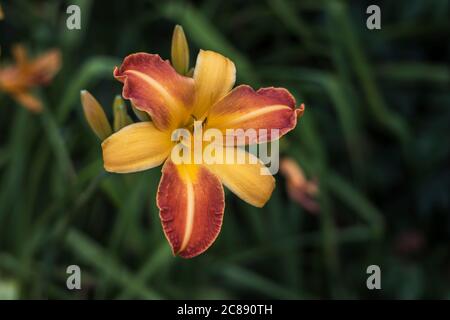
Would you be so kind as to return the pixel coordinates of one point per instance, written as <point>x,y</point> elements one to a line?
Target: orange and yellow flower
<point>19,79</point>
<point>190,196</point>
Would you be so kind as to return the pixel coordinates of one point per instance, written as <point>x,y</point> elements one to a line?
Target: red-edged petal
<point>191,203</point>
<point>243,108</point>
<point>156,88</point>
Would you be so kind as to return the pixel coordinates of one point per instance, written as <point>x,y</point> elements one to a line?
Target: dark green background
<point>375,133</point>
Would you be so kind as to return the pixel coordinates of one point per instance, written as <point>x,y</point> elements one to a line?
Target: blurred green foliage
<point>375,134</point>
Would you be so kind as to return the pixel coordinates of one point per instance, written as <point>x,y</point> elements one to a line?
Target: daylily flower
<point>190,196</point>
<point>18,80</point>
<point>298,187</point>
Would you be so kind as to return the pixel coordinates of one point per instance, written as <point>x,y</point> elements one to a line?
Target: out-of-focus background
<point>375,137</point>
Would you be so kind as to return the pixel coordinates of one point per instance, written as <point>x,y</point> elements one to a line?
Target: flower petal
<point>12,79</point>
<point>250,180</point>
<point>244,108</point>
<point>214,77</point>
<point>136,147</point>
<point>191,203</point>
<point>45,67</point>
<point>19,53</point>
<point>28,101</point>
<point>156,88</point>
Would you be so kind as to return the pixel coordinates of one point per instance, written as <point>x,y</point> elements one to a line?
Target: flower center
<point>194,128</point>
<point>194,123</point>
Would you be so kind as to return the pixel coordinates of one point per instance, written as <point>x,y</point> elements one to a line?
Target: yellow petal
<point>137,147</point>
<point>214,77</point>
<point>251,181</point>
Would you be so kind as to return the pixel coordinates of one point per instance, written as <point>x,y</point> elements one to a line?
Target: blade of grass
<point>91,71</point>
<point>92,254</point>
<point>386,117</point>
<point>412,72</point>
<point>161,258</point>
<point>58,145</point>
<point>353,198</point>
<point>249,280</point>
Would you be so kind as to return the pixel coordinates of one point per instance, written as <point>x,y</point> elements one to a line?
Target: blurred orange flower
<point>18,79</point>
<point>298,187</point>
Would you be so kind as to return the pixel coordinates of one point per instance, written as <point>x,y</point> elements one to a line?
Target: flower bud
<point>180,51</point>
<point>95,115</point>
<point>121,117</point>
<point>299,189</point>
